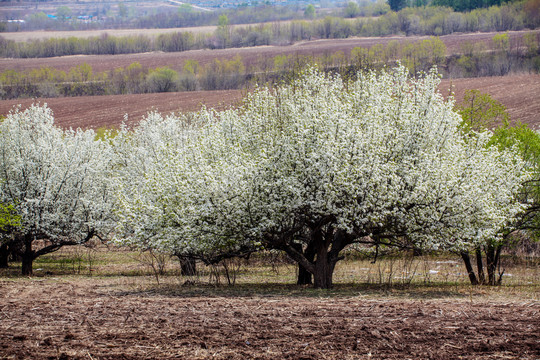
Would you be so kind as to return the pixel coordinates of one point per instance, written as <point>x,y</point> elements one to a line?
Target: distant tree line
<point>184,16</point>
<point>134,79</point>
<point>475,59</point>
<point>432,21</point>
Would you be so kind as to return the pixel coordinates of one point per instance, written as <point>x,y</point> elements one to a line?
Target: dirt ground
<point>109,111</point>
<point>519,93</point>
<point>94,319</point>
<point>249,55</point>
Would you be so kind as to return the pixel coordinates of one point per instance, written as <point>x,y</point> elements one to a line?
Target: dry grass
<point>23,36</point>
<point>270,274</point>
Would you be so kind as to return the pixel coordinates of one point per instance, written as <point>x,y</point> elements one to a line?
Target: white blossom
<point>382,155</point>
<point>57,181</point>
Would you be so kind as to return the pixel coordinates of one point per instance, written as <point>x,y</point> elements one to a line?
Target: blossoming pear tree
<point>381,157</point>
<point>177,191</point>
<point>56,182</point>
<point>318,165</point>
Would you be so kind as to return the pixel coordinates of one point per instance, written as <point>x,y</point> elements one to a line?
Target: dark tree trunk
<point>304,276</point>
<point>15,252</point>
<point>480,267</point>
<point>493,257</point>
<point>188,266</point>
<point>498,264</point>
<point>323,270</point>
<point>27,264</point>
<point>27,256</point>
<point>324,247</point>
<point>4,256</point>
<point>490,264</point>
<point>324,262</point>
<point>467,260</point>
<point>332,243</point>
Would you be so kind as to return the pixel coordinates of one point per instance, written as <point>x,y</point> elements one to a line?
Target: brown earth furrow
<point>519,93</point>
<point>78,320</point>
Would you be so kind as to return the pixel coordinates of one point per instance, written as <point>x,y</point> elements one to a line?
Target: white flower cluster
<point>382,155</point>
<point>57,181</point>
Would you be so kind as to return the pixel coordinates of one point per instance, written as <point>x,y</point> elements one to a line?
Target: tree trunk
<point>327,258</point>
<point>498,264</point>
<point>490,264</point>
<point>324,270</point>
<point>323,274</point>
<point>27,256</point>
<point>27,264</point>
<point>467,260</point>
<point>188,266</point>
<point>4,256</point>
<point>480,267</point>
<point>493,256</point>
<point>304,276</point>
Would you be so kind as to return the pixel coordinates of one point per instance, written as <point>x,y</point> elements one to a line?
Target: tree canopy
<point>55,182</point>
<point>315,166</point>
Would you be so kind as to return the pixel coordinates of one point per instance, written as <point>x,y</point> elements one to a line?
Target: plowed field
<point>109,111</point>
<point>249,55</point>
<point>519,93</point>
<point>92,319</point>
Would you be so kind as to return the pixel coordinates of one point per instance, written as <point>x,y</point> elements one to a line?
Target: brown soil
<point>109,111</point>
<point>519,93</point>
<point>249,55</point>
<point>90,319</point>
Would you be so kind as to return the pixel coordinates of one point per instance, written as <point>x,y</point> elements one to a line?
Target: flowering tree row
<point>309,168</point>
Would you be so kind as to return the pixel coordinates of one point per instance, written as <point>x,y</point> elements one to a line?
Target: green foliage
<point>223,74</point>
<point>185,8</point>
<point>188,79</point>
<point>409,20</point>
<point>179,41</point>
<point>501,42</point>
<point>105,133</point>
<point>527,141</point>
<point>465,5</point>
<point>223,20</point>
<point>352,10</point>
<point>421,55</point>
<point>223,32</point>
<point>63,13</point>
<point>162,79</point>
<point>520,135</point>
<point>8,217</point>
<point>531,42</point>
<point>309,12</point>
<point>397,5</point>
<point>480,111</point>
<point>473,60</point>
